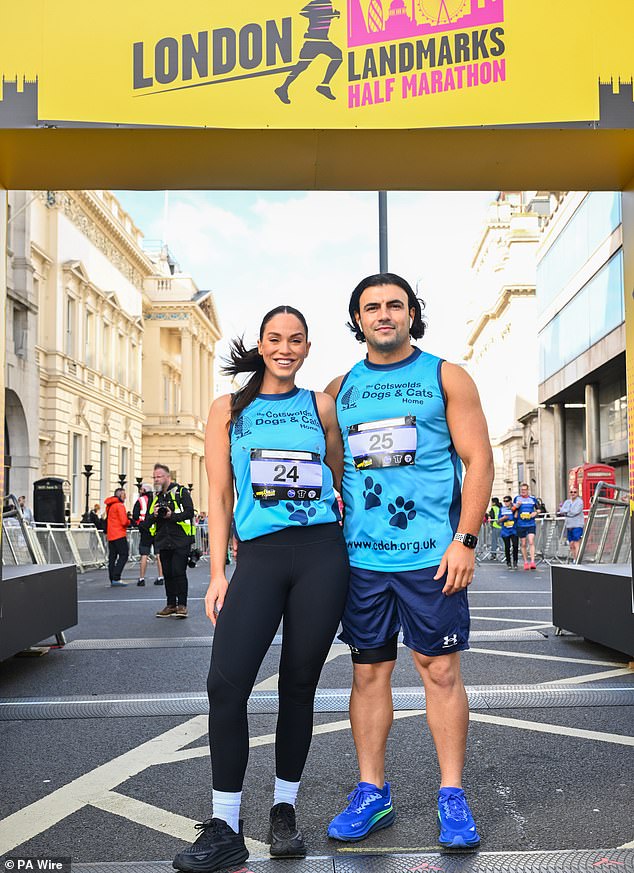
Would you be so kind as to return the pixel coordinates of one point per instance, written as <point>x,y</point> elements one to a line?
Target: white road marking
<point>534,657</point>
<point>560,730</point>
<point>491,591</point>
<point>513,608</point>
<point>510,620</point>
<point>42,814</point>
<point>161,819</point>
<point>591,677</point>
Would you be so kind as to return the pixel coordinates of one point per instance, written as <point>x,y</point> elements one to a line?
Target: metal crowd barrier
<point>551,544</point>
<point>41,543</point>
<point>606,535</point>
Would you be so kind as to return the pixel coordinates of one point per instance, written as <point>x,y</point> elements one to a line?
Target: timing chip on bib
<point>280,474</point>
<point>390,442</point>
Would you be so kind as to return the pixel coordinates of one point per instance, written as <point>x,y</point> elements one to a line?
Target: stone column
<point>561,465</point>
<point>196,378</point>
<point>593,438</point>
<point>204,383</point>
<point>187,374</point>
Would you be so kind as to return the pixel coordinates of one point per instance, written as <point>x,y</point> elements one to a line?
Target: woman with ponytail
<point>279,447</point>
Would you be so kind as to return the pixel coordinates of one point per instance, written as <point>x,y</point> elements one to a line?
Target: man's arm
<point>470,436</point>
<point>334,446</point>
<point>333,387</point>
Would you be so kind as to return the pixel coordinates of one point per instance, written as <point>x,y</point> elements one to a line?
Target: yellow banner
<point>318,64</point>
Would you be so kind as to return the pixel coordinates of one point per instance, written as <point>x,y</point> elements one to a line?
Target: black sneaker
<point>159,581</point>
<point>141,583</point>
<point>217,847</point>
<point>286,841</point>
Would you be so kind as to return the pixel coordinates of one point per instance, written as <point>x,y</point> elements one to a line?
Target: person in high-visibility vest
<point>170,520</point>
<point>494,513</point>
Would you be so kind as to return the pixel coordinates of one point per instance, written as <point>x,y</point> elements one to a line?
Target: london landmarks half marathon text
<point>377,74</point>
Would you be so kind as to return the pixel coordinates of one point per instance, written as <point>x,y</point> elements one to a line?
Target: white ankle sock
<point>226,805</point>
<point>285,792</point>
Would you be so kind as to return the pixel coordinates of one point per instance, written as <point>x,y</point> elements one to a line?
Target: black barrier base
<point>596,603</point>
<point>38,602</point>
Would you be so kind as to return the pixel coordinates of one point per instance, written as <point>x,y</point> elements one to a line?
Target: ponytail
<point>244,360</point>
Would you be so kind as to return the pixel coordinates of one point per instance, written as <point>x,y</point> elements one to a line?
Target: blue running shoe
<point>370,809</point>
<point>457,827</point>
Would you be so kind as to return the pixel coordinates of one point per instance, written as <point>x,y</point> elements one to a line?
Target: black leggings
<point>299,574</point>
<point>507,548</point>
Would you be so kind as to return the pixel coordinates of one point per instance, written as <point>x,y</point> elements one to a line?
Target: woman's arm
<point>334,446</point>
<point>218,466</point>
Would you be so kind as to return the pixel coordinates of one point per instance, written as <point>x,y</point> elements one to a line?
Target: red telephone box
<point>586,477</point>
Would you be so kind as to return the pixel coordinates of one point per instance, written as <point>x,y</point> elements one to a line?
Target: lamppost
<point>122,479</point>
<point>190,487</point>
<point>139,482</point>
<point>87,472</point>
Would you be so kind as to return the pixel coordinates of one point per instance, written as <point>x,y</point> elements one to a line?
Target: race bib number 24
<point>281,474</point>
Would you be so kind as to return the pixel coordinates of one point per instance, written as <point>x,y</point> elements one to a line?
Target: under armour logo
<point>450,641</point>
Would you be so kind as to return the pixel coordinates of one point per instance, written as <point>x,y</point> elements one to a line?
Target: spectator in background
<point>525,506</point>
<point>117,523</point>
<point>146,540</point>
<point>494,513</point>
<point>95,518</point>
<point>26,512</point>
<point>508,532</point>
<point>572,510</point>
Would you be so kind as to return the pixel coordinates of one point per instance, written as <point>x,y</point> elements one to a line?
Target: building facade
<point>181,331</point>
<point>581,336</point>
<point>80,288</point>
<point>501,352</point>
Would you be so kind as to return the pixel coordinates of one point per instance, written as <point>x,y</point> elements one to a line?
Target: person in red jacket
<point>117,523</point>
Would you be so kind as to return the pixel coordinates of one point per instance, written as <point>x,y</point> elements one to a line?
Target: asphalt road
<point>129,789</point>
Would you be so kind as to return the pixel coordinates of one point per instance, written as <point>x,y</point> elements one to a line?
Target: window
<point>75,475</point>
<point>89,339</point>
<point>70,327</point>
<point>591,314</point>
<point>595,219</point>
<point>125,455</point>
<point>104,471</point>
<point>105,350</point>
<point>20,331</point>
<point>122,374</point>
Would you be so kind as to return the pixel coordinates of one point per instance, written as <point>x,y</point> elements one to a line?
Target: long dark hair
<point>244,360</point>
<point>417,328</point>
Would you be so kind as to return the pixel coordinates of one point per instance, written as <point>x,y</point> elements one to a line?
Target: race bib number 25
<point>390,442</point>
<point>280,474</point>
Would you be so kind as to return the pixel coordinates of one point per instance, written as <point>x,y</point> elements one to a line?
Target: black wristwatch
<point>467,540</point>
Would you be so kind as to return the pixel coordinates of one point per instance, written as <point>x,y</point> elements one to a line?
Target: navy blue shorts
<point>380,604</point>
<point>523,532</point>
<point>574,534</point>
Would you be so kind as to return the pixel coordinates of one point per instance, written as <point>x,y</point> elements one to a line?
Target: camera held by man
<point>170,520</point>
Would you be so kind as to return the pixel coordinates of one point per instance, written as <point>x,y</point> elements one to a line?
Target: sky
<point>258,250</point>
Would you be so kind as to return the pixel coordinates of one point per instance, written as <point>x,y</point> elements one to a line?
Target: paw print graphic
<point>401,512</point>
<point>371,493</point>
<point>301,511</point>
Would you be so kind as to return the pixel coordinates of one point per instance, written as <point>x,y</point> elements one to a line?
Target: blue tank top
<point>507,521</point>
<point>402,475</point>
<point>525,505</point>
<point>277,455</point>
